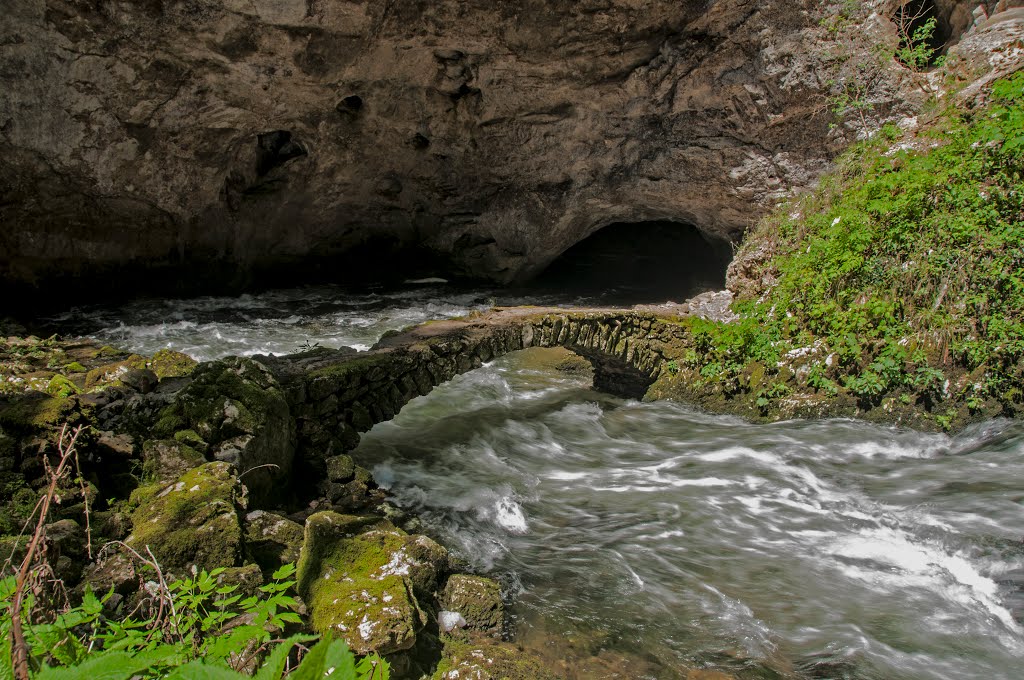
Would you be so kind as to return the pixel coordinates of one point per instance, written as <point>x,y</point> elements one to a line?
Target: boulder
<point>271,540</point>
<point>168,459</point>
<point>483,658</point>
<point>193,521</point>
<point>477,601</point>
<point>238,409</point>
<point>364,587</point>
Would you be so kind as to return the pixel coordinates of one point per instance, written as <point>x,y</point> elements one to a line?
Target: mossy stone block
<point>272,540</point>
<point>167,459</point>
<point>477,599</point>
<point>193,521</point>
<point>363,587</point>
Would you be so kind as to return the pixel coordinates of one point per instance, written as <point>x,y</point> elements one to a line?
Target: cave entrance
<point>630,263</point>
<point>924,33</point>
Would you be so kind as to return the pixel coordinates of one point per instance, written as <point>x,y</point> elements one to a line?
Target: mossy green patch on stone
<point>483,658</point>
<point>111,374</point>
<point>364,587</point>
<point>59,386</point>
<point>192,521</point>
<point>167,363</point>
<point>75,367</point>
<point>35,411</point>
<point>167,459</point>
<point>191,438</point>
<point>477,600</point>
<point>272,540</point>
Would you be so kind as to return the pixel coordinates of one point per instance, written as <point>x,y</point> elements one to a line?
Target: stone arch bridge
<point>334,394</point>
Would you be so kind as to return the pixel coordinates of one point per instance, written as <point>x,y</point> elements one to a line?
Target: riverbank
<point>891,293</point>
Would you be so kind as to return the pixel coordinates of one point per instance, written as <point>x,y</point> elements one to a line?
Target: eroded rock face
<point>496,134</point>
<point>235,411</point>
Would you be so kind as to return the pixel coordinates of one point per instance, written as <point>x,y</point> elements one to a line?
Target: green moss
<point>110,374</point>
<point>488,659</point>
<point>477,599</point>
<point>192,521</point>
<point>75,367</point>
<point>363,587</point>
<point>59,386</point>
<point>18,505</point>
<point>191,438</point>
<point>33,412</point>
<point>167,363</point>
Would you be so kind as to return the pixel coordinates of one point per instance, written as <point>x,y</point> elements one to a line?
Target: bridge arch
<point>334,395</point>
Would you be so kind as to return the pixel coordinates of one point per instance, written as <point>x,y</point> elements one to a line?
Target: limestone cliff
<point>167,135</point>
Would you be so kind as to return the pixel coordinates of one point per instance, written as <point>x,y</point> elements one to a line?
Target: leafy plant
<point>209,632</point>
<point>906,264</point>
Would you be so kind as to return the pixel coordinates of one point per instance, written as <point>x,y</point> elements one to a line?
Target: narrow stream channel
<point>644,538</point>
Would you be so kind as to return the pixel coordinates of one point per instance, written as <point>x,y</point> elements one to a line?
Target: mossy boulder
<point>167,363</point>
<point>192,521</point>
<point>167,459</point>
<point>237,407</point>
<point>272,540</point>
<point>477,600</point>
<point>33,412</point>
<point>60,386</point>
<point>364,587</point>
<point>112,373</point>
<point>340,468</point>
<point>483,658</point>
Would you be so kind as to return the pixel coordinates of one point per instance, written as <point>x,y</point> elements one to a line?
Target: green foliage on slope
<point>904,269</point>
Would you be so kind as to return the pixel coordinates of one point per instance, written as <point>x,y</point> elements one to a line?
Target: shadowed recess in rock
<point>629,263</point>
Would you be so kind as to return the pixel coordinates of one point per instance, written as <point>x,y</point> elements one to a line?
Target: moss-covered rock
<point>167,363</point>
<point>32,412</point>
<point>237,407</point>
<point>483,658</point>
<point>364,587</point>
<point>340,468</point>
<point>112,373</point>
<point>477,600</point>
<point>193,521</point>
<point>271,540</point>
<point>60,386</point>
<point>167,459</point>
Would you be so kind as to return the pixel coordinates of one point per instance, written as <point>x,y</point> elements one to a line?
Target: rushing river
<point>640,539</point>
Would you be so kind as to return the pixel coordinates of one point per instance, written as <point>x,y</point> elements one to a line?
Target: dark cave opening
<point>924,33</point>
<point>630,263</point>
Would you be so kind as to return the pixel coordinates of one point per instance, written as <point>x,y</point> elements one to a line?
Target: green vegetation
<point>916,31</point>
<point>903,273</point>
<point>197,628</point>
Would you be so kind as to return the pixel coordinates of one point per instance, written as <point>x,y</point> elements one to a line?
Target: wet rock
<point>483,658</point>
<point>477,601</point>
<point>192,521</point>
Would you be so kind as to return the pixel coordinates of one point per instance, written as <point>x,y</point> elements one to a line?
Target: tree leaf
<point>273,667</point>
<point>197,670</point>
